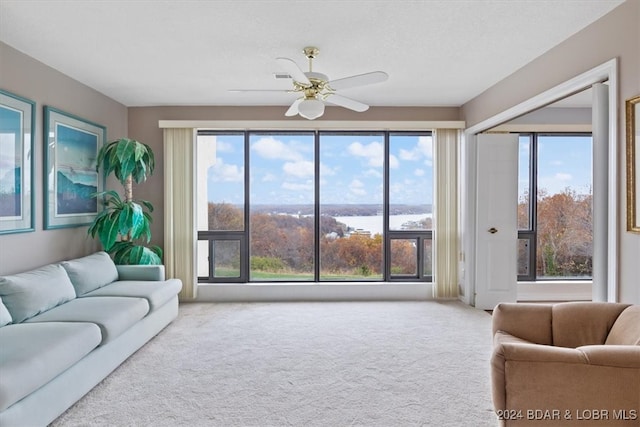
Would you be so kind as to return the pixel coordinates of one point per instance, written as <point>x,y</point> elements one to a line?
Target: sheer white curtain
<point>180,235</point>
<point>445,215</point>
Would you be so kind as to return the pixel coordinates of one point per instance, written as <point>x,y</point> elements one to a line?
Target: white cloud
<point>373,172</point>
<point>419,172</point>
<point>224,147</point>
<point>326,170</point>
<point>221,172</point>
<point>373,152</point>
<point>394,163</point>
<point>425,146</point>
<point>269,177</point>
<point>271,148</point>
<point>422,150</point>
<point>299,169</point>
<point>298,186</point>
<point>357,187</point>
<point>409,155</point>
<point>560,176</point>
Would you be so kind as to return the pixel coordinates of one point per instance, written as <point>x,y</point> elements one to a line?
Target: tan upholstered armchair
<point>566,364</point>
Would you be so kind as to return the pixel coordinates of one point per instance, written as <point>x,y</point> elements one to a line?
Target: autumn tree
<point>225,217</point>
<point>565,234</point>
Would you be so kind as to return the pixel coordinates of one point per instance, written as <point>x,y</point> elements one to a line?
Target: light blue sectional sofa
<point>64,327</point>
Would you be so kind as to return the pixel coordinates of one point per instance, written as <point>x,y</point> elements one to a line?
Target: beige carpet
<point>304,364</point>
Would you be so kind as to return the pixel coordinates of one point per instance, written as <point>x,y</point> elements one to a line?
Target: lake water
<point>374,223</point>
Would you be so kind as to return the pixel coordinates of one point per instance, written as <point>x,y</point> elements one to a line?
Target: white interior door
<point>496,220</point>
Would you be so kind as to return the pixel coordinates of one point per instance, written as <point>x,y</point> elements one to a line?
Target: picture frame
<point>71,180</point>
<point>633,163</point>
<point>17,119</point>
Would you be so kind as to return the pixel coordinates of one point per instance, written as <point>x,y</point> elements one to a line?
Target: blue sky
<point>351,169</point>
<point>563,162</point>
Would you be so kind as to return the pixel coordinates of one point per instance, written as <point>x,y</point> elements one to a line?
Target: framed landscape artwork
<point>70,176</point>
<point>16,163</point>
<point>633,164</point>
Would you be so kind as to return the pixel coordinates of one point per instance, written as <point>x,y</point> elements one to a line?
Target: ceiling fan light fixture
<point>311,108</point>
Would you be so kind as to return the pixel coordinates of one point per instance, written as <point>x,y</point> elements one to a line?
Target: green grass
<point>296,277</point>
<point>263,275</point>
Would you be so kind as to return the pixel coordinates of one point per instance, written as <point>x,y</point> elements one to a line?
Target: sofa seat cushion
<point>113,315</point>
<point>156,293</point>
<point>32,354</point>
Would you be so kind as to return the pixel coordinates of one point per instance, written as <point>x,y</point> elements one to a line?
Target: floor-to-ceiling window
<point>281,206</point>
<point>314,206</point>
<point>351,205</point>
<point>555,236</point>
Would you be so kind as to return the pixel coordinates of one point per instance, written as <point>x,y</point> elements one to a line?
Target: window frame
<point>531,234</point>
<point>243,236</point>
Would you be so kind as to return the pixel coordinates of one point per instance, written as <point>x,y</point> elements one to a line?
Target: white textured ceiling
<point>154,52</point>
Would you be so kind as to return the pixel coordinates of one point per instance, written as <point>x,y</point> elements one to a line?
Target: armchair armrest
<point>141,272</point>
<point>540,353</point>
<point>620,356</point>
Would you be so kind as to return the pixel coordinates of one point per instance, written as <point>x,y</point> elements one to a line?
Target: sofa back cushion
<point>626,330</point>
<point>5,316</point>
<point>91,272</point>
<point>35,291</point>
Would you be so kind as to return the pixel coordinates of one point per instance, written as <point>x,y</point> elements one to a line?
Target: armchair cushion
<point>583,323</point>
<point>626,330</point>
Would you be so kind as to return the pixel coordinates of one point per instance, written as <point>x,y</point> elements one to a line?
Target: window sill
<point>556,290</point>
<point>287,291</point>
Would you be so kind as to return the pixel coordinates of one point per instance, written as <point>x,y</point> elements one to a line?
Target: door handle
<point>493,230</point>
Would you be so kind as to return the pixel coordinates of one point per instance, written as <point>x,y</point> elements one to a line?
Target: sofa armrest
<point>530,322</point>
<point>141,272</point>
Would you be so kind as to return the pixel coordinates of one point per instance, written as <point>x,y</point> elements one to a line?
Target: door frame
<point>607,71</point>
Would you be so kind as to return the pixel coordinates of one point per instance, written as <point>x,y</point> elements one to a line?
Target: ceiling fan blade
<point>359,80</point>
<point>345,102</point>
<point>291,68</point>
<point>293,110</point>
<point>260,90</point>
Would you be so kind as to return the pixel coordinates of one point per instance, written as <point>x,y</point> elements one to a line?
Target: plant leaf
<point>147,205</point>
<point>125,219</point>
<point>109,233</point>
<point>138,221</point>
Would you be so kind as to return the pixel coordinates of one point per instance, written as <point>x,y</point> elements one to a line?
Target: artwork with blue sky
<point>76,154</point>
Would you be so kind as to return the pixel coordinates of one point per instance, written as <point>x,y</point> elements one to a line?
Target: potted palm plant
<point>123,227</point>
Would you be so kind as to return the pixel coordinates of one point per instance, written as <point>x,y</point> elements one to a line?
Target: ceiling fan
<point>315,88</point>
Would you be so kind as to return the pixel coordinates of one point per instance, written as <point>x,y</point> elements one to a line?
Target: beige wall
<point>616,35</point>
<point>24,76</point>
<point>143,126</point>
